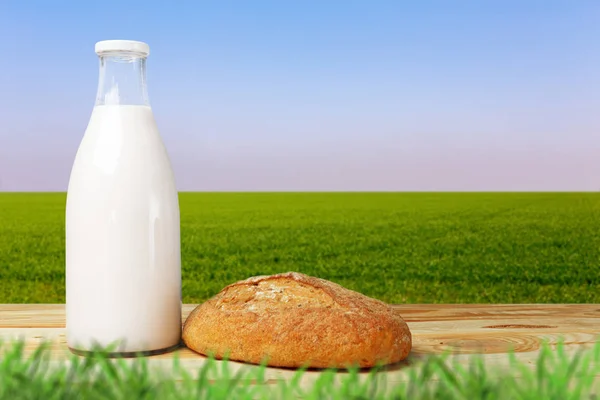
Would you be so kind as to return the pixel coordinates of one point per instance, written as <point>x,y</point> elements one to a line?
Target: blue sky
<point>318,95</point>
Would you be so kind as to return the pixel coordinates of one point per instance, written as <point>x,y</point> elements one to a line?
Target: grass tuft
<point>556,376</point>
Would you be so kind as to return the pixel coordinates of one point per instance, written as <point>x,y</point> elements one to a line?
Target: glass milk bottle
<point>123,262</point>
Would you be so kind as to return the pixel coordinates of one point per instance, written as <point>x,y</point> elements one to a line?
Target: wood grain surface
<point>464,330</point>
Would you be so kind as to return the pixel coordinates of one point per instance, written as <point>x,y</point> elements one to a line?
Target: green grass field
<point>398,247</point>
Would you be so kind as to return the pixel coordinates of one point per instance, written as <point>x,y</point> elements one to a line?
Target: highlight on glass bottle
<point>122,79</point>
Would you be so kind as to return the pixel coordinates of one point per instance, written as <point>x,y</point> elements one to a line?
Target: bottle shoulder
<point>122,148</point>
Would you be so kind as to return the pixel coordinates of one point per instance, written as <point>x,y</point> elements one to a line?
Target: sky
<point>318,95</point>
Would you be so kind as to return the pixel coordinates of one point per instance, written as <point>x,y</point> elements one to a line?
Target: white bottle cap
<point>109,46</point>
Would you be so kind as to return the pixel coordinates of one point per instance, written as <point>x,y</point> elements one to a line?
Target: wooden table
<point>466,330</point>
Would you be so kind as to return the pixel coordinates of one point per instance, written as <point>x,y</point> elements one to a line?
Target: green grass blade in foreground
<point>541,364</point>
<point>590,374</point>
<point>556,376</point>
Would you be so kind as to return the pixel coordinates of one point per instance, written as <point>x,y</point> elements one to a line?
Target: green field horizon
<point>399,247</point>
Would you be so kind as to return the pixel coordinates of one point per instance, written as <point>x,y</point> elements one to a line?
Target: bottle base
<point>125,354</point>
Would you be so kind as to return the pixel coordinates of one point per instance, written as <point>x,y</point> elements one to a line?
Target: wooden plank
<point>465,330</point>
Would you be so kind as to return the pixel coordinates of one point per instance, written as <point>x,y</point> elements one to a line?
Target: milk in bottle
<point>123,267</point>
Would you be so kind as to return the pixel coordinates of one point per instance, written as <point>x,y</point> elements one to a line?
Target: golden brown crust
<point>297,320</point>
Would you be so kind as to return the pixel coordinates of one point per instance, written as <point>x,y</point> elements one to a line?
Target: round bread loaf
<point>294,320</point>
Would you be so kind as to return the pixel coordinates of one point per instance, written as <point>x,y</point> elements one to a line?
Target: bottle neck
<point>122,80</point>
